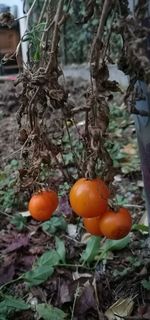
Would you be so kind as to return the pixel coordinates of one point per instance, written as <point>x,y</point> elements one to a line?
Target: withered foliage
<point>44,103</point>
<point>135,56</point>
<point>7,19</point>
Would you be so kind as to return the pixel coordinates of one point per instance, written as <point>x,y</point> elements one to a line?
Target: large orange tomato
<point>116,225</point>
<point>92,226</point>
<point>88,198</point>
<point>43,204</point>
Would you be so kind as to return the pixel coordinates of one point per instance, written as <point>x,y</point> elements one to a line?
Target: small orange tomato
<point>92,226</point>
<point>116,225</point>
<point>88,198</point>
<point>43,204</point>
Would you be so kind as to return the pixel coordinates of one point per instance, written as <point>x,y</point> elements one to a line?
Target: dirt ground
<point>8,123</point>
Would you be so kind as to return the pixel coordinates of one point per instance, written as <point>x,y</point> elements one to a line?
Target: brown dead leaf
<point>121,308</point>
<point>7,273</point>
<point>64,293</point>
<point>85,238</point>
<point>86,300</point>
<point>129,149</point>
<point>19,242</point>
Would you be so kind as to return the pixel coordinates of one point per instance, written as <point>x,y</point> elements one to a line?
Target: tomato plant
<point>92,225</point>
<point>116,225</point>
<point>43,204</point>
<point>88,198</point>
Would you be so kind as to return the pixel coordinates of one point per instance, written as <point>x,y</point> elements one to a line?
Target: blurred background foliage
<point>76,37</point>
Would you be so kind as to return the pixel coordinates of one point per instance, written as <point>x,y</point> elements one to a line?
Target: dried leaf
<point>121,308</point>
<point>129,149</point>
<point>64,293</point>
<point>7,273</point>
<point>86,300</point>
<point>18,243</point>
<point>86,236</point>
<point>64,206</point>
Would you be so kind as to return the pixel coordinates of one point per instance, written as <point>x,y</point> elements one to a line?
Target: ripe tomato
<point>43,204</point>
<point>92,226</point>
<point>116,225</point>
<point>88,198</point>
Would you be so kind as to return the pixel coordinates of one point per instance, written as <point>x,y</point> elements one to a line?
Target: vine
<point>45,107</point>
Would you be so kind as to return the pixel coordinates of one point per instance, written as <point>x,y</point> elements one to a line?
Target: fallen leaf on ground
<point>86,300</point>
<point>86,236</point>
<point>121,308</point>
<point>64,206</point>
<point>19,242</point>
<point>64,293</point>
<point>7,273</point>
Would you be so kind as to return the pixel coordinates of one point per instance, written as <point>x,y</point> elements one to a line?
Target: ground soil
<point>8,124</point>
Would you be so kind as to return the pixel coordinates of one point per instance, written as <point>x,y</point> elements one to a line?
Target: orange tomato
<point>116,225</point>
<point>88,198</point>
<point>43,204</point>
<point>92,226</point>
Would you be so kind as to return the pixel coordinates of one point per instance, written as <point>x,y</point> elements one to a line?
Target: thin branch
<point>110,31</point>
<point>104,15</point>
<point>29,13</point>
<point>55,35</point>
<point>43,11</point>
<point>27,22</point>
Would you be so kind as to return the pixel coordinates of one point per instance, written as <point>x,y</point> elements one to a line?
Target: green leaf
<point>3,317</point>
<point>146,284</point>
<point>10,304</point>
<point>38,275</point>
<point>43,268</point>
<point>122,272</point>
<point>19,221</point>
<point>48,312</point>
<point>49,258</point>
<point>113,245</point>
<point>60,248</point>
<point>140,227</point>
<point>92,249</point>
<point>54,224</point>
<point>68,158</point>
<point>37,55</point>
<point>14,163</point>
